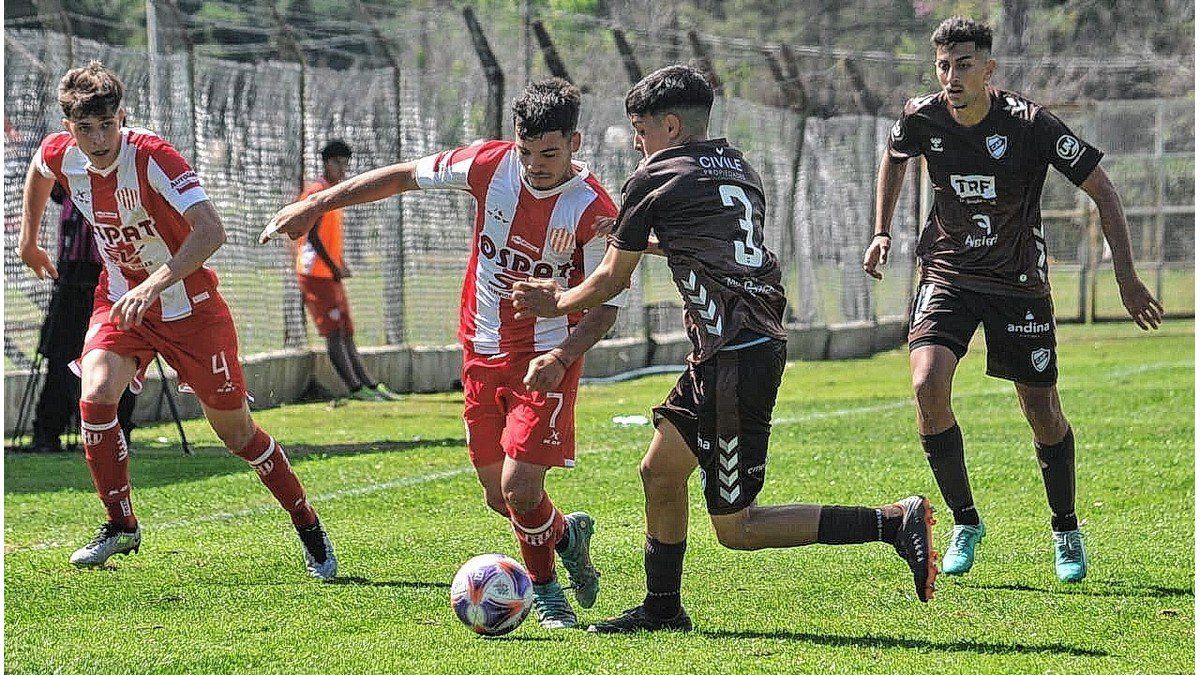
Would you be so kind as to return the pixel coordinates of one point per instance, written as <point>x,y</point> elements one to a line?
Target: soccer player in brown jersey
<point>705,204</point>
<point>983,260</point>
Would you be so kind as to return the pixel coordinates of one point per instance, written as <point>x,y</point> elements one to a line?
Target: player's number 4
<point>745,252</point>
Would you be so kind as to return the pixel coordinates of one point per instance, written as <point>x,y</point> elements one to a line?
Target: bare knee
<point>660,483</point>
<point>736,532</point>
<point>933,395</point>
<point>236,434</point>
<point>522,498</point>
<point>496,501</point>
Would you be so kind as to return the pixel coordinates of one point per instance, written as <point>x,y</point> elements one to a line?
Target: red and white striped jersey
<point>135,208</point>
<point>520,232</point>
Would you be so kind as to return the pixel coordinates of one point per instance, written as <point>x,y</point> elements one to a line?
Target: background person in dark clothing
<point>63,330</point>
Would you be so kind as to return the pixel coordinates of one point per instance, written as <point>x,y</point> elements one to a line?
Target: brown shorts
<point>722,408</point>
<point>1019,330</point>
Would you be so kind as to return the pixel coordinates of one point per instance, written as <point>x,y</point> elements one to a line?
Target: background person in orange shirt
<point>320,268</point>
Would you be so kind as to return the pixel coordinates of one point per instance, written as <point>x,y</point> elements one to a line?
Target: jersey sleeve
<point>635,220</point>
<point>1058,145</point>
<point>903,142</point>
<point>41,158</point>
<point>170,176</point>
<point>460,168</point>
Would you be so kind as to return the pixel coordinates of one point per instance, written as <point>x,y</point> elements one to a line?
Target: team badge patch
<point>1041,359</point>
<point>997,145</point>
<point>561,240</point>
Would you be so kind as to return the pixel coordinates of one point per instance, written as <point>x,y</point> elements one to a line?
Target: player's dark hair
<point>545,106</point>
<point>677,89</point>
<point>958,29</point>
<point>90,91</point>
<point>335,148</point>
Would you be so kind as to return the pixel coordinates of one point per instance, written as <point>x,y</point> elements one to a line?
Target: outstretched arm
<point>547,370</point>
<point>544,297</point>
<point>888,185</point>
<point>297,219</point>
<point>1145,309</point>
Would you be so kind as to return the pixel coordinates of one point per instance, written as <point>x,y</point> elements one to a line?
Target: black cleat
<point>914,543</point>
<point>319,559</point>
<point>636,620</point>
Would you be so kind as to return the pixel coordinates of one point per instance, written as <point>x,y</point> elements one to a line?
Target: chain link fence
<point>253,132</point>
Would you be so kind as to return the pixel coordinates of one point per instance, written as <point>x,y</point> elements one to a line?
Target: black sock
<point>1058,475</point>
<point>564,542</point>
<point>664,576</point>
<point>855,525</point>
<point>944,451</point>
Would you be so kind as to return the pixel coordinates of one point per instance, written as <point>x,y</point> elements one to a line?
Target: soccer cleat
<point>585,580</point>
<point>550,605</point>
<point>319,559</point>
<point>636,620</point>
<point>960,555</point>
<point>365,394</point>
<point>914,543</point>
<point>1070,558</point>
<point>382,391</point>
<point>110,540</point>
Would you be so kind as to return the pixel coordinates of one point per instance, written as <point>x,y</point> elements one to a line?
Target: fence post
<point>1160,188</point>
<point>797,100</point>
<point>705,65</point>
<point>491,71</point>
<point>191,70</point>
<point>550,54</point>
<point>295,328</point>
<point>394,262</point>
<point>632,70</point>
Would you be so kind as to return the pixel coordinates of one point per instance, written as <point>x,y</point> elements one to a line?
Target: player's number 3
<point>745,252</point>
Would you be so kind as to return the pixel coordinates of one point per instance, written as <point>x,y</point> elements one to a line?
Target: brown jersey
<point>705,204</point>
<point>985,232</point>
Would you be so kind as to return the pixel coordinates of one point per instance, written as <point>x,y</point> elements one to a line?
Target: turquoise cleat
<point>551,607</point>
<point>577,558</point>
<point>1070,558</point>
<point>960,555</point>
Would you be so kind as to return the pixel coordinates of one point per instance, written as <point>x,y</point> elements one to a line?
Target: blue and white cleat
<point>960,555</point>
<point>550,605</point>
<point>110,540</point>
<point>1070,558</point>
<point>585,580</point>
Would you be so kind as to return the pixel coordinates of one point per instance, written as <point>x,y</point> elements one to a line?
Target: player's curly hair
<point>91,90</point>
<point>678,89</point>
<point>546,105</point>
<point>959,29</point>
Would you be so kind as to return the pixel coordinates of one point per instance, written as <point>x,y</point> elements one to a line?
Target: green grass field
<point>219,587</point>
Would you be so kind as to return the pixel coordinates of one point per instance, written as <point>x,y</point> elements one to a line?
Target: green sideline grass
<point>219,586</point>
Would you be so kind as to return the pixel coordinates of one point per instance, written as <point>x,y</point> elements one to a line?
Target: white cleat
<point>319,559</point>
<point>110,540</point>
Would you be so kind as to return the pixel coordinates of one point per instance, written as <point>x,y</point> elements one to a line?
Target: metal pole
<point>555,64</point>
<point>493,73</point>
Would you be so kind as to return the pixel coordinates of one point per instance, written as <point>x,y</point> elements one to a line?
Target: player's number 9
<point>745,252</point>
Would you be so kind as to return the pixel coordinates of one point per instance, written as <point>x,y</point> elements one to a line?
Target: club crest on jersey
<point>997,145</point>
<point>1040,359</point>
<point>128,199</point>
<point>935,144</point>
<point>561,240</point>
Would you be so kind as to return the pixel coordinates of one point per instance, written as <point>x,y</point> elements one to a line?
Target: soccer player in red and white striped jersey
<point>537,216</point>
<point>154,227</point>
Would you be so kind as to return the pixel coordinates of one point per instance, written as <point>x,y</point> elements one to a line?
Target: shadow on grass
<point>394,583</point>
<point>881,642</point>
<point>1094,588</point>
<point>156,466</point>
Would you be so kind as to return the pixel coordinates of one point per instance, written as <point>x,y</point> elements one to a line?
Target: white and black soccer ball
<point>491,594</point>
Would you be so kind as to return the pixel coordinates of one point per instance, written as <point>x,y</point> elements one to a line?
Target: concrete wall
<point>280,377</point>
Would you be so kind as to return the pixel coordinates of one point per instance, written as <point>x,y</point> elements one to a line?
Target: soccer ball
<point>491,594</point>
